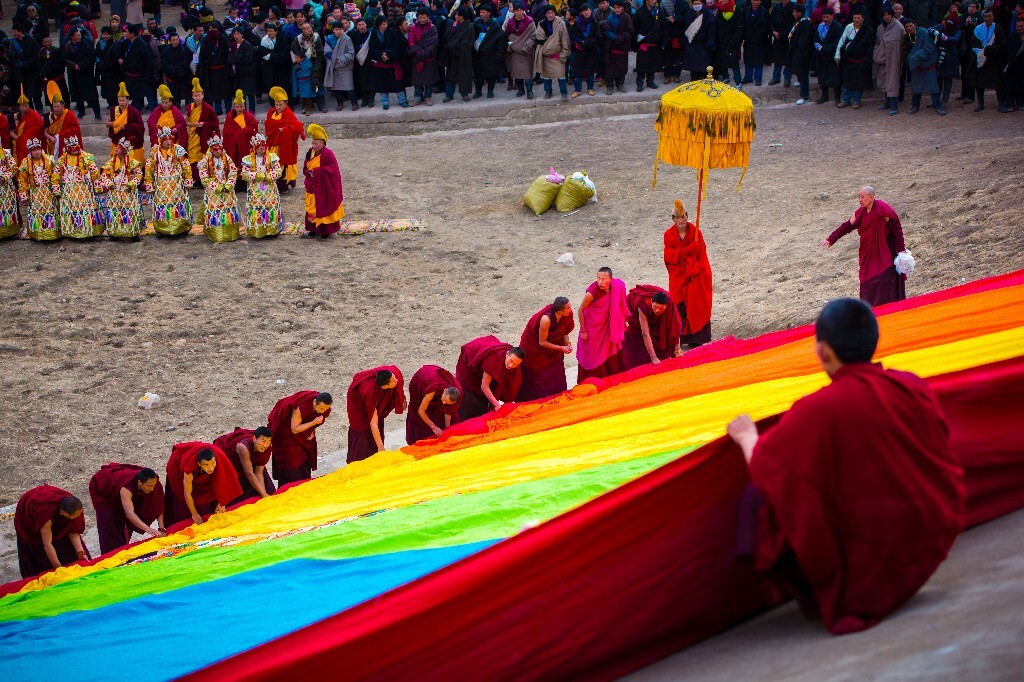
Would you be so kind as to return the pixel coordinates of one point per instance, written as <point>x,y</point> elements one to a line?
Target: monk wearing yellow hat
<point>61,123</point>
<point>168,116</point>
<point>322,179</point>
<point>126,124</point>
<point>239,127</point>
<point>28,126</point>
<point>283,133</point>
<point>202,123</point>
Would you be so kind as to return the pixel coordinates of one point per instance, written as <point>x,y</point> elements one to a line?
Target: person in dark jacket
<point>23,51</point>
<point>423,49</point>
<point>457,56</point>
<point>137,64</point>
<point>442,22</point>
<point>489,50</point>
<point>648,36</point>
<point>275,57</point>
<point>756,39</point>
<point>728,36</point>
<point>213,71</point>
<point>175,60</point>
<point>584,37</point>
<point>107,68</point>
<point>52,67</point>
<point>1013,72</point>
<point>781,23</point>
<point>855,49</point>
<point>362,73</point>
<point>826,40</point>
<point>672,47</point>
<point>617,31</point>
<point>989,41</point>
<point>242,60</point>
<point>801,50</point>
<point>700,33</point>
<point>386,51</point>
<point>947,40</point>
<point>80,56</point>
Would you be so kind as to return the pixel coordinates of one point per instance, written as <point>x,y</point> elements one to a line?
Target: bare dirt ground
<point>213,329</point>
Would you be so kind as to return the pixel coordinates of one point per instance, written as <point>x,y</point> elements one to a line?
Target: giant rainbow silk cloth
<point>579,537</point>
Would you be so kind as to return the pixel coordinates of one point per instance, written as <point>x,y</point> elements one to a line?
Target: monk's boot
<point>639,84</point>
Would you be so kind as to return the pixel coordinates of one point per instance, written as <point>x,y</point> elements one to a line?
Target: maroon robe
<point>862,489</point>
<point>665,328</point>
<point>112,523</point>
<point>430,379</point>
<point>208,490</point>
<point>485,354</point>
<point>324,183</point>
<point>211,127</point>
<point>543,369</point>
<point>614,363</point>
<point>34,509</point>
<point>180,131</point>
<point>294,456</point>
<point>229,444</point>
<point>881,238</point>
<point>134,129</point>
<point>363,398</point>
<point>237,140</point>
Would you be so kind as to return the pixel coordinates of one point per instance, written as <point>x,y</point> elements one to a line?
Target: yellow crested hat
<point>239,97</point>
<point>164,92</point>
<point>22,99</point>
<point>122,90</point>
<point>278,94</point>
<point>196,87</point>
<point>316,132</point>
<point>53,93</point>
<point>680,210</point>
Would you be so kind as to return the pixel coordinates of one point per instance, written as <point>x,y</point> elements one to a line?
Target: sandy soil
<point>216,329</point>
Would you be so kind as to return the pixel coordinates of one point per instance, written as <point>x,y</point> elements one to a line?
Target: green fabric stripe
<point>453,520</point>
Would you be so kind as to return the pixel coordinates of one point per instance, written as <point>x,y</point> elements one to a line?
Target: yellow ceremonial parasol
<point>702,125</point>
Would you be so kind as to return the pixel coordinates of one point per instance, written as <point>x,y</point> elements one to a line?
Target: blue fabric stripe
<point>207,622</point>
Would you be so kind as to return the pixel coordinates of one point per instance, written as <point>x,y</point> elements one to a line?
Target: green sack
<point>541,195</point>
<point>571,195</point>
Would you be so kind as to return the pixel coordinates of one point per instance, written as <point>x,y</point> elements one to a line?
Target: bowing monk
<point>49,523</point>
<point>283,132</point>
<point>689,277</point>
<point>546,342</point>
<point>126,124</point>
<point>372,396</point>
<point>168,116</point>
<point>293,423</point>
<point>200,482</point>
<point>488,371</point>
<point>881,240</point>
<point>249,451</point>
<point>856,494</point>
<point>202,124</point>
<point>603,314</point>
<point>127,499</point>
<point>29,126</point>
<point>653,327</point>
<point>434,396</point>
<point>322,182</point>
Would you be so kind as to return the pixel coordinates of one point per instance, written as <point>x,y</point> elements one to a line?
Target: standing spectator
<point>361,44</point>
<point>1013,75</point>
<point>423,48</point>
<point>23,51</point>
<point>137,65</point>
<point>519,31</point>
<point>948,41</point>
<point>156,77</point>
<point>888,59</point>
<point>275,58</point>
<point>826,40</point>
<point>489,47</point>
<point>457,56</point>
<point>921,62</point>
<point>801,51</point>
<point>617,31</point>
<point>242,60</point>
<point>107,68</point>
<point>756,38</point>
<point>728,36</point>
<point>648,23</point>
<point>213,72</point>
<point>923,12</point>
<point>386,49</point>
<point>552,52</point>
<point>672,47</point>
<point>988,45</point>
<point>307,51</point>
<point>52,68</point>
<point>81,60</point>
<point>968,22</point>
<point>175,61</point>
<point>854,51</point>
<point>699,31</point>
<point>586,55</point>
<point>781,23</point>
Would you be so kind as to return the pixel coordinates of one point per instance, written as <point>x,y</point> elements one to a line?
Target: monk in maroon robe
<point>653,327</point>
<point>881,240</point>
<point>546,343</point>
<point>200,481</point>
<point>249,451</point>
<point>488,371</point>
<point>127,498</point>
<point>434,399</point>
<point>293,423</point>
<point>372,396</point>
<point>858,495</point>
<point>325,195</point>
<point>603,314</point>
<point>49,523</point>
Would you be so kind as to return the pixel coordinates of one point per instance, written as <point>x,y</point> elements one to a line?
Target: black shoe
<point>651,84</point>
<point>490,95</point>
<point>447,99</point>
<point>477,95</point>
<point>821,100</point>
<point>520,93</point>
<point>465,98</point>
<point>914,110</point>
<point>639,87</point>
<point>774,81</point>
<point>979,107</point>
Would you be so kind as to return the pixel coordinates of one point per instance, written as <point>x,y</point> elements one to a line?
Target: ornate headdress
<point>71,141</point>
<point>164,92</point>
<point>259,139</point>
<point>22,99</point>
<point>316,132</point>
<point>278,94</point>
<point>53,93</point>
<point>122,90</point>
<point>34,143</point>
<point>239,98</point>
<point>196,86</point>
<point>216,141</point>
<point>126,144</point>
<point>164,131</point>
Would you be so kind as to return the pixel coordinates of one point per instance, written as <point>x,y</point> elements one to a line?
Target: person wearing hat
<point>552,54</point>
<point>283,130</point>
<point>76,174</point>
<point>9,222</point>
<point>61,123</point>
<point>125,123</point>
<point>617,31</point>
<point>322,182</point>
<point>167,115</point>
<point>519,31</point>
<point>202,124</point>
<point>240,125</point>
<point>261,169</point>
<point>28,125</point>
<point>137,64</point>
<point>801,50</point>
<point>169,177</point>
<point>689,276</point>
<point>36,188</point>
<point>120,177</point>
<point>339,75</point>
<point>218,174</point>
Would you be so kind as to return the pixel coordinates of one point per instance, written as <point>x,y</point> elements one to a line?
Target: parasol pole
<point>700,195</point>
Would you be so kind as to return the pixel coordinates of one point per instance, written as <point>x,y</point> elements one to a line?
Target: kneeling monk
<point>373,395</point>
<point>249,451</point>
<point>200,481</point>
<point>434,397</point>
<point>49,524</point>
<point>488,371</point>
<point>127,499</point>
<point>653,327</point>
<point>322,182</point>
<point>859,493</point>
<point>293,422</point>
<point>546,343</point>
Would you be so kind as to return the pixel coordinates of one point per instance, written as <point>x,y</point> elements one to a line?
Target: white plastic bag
<point>147,401</point>
<point>585,179</point>
<point>566,260</point>
<point>905,263</point>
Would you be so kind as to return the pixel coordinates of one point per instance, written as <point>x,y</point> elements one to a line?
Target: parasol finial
<point>711,73</point>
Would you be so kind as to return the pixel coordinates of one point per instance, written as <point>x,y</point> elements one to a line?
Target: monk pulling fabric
<point>49,523</point>
<point>127,499</point>
<point>200,482</point>
<point>249,451</point>
<point>434,399</point>
<point>372,396</point>
<point>603,314</point>
<point>653,328</point>
<point>857,493</point>
<point>545,341</point>
<point>322,182</point>
<point>488,371</point>
<point>293,423</point>
<point>689,277</point>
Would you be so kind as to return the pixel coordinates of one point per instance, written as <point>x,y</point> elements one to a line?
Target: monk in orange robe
<point>202,124</point>
<point>48,523</point>
<point>61,123</point>
<point>293,423</point>
<point>29,126</point>
<point>283,132</point>
<point>200,481</point>
<point>126,124</point>
<point>856,493</point>
<point>546,343</point>
<point>689,277</point>
<point>372,396</point>
<point>167,116</point>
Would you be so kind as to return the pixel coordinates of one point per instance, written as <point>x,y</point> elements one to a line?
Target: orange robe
<point>283,133</point>
<point>29,126</point>
<point>62,127</point>
<point>689,277</point>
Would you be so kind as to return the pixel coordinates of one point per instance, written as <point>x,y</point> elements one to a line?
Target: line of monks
<point>65,193</point>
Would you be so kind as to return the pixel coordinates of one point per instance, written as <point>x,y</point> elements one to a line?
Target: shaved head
<point>867,189</point>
